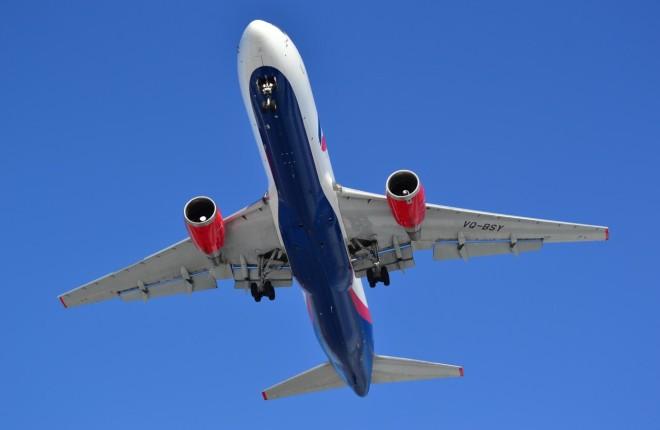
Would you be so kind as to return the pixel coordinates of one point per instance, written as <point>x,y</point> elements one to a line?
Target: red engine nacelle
<point>205,225</point>
<point>405,195</point>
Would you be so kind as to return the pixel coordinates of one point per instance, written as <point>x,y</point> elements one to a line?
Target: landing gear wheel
<point>254,290</point>
<point>371,278</point>
<point>269,105</point>
<point>385,275</point>
<point>270,290</point>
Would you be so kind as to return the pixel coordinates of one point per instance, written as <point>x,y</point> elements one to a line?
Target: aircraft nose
<point>258,36</point>
<point>256,30</point>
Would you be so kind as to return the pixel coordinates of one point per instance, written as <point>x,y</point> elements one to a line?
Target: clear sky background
<point>113,114</point>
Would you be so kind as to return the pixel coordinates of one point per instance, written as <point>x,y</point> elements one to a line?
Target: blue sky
<point>113,114</point>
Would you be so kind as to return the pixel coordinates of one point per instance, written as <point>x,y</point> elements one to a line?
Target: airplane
<point>326,236</point>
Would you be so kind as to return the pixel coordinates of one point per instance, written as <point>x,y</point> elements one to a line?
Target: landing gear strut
<point>267,290</point>
<point>376,275</point>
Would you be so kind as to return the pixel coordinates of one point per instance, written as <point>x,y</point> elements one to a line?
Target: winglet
<point>607,233</point>
<point>62,301</point>
<point>263,394</point>
<point>461,372</point>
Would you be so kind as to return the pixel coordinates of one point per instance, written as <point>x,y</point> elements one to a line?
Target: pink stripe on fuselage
<point>324,145</point>
<point>361,308</point>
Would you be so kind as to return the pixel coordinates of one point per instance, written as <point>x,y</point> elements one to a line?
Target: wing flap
<point>196,282</point>
<point>453,249</point>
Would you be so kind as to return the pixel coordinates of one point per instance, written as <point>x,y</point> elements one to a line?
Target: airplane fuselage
<point>302,197</point>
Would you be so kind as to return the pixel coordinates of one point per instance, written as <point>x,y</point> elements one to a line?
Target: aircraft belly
<point>310,229</point>
<point>345,337</point>
<point>311,233</point>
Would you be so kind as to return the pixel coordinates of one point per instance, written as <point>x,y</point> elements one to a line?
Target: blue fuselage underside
<point>312,235</point>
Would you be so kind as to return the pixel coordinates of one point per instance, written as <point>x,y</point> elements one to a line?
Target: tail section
<point>385,369</point>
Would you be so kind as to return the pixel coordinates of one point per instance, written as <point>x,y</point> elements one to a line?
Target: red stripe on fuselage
<point>308,303</point>
<point>361,308</point>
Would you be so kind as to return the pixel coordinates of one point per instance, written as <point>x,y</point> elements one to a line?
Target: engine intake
<point>205,225</point>
<point>405,196</point>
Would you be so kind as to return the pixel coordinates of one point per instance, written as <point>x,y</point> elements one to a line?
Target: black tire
<point>256,294</point>
<point>269,105</point>
<point>270,290</point>
<point>370,277</point>
<point>385,275</point>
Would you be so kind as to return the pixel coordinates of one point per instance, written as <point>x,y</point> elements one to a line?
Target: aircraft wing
<point>451,233</point>
<point>251,242</point>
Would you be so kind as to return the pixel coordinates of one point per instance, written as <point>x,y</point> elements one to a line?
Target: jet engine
<point>205,225</point>
<point>405,196</point>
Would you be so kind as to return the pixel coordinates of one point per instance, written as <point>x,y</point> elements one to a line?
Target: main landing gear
<point>268,265</point>
<point>378,274</point>
<point>267,290</point>
<point>266,86</point>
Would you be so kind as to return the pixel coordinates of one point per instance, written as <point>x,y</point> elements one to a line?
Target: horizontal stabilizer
<point>385,369</point>
<point>395,369</point>
<point>321,377</point>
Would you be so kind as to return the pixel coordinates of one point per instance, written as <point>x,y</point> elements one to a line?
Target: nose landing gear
<point>266,86</point>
